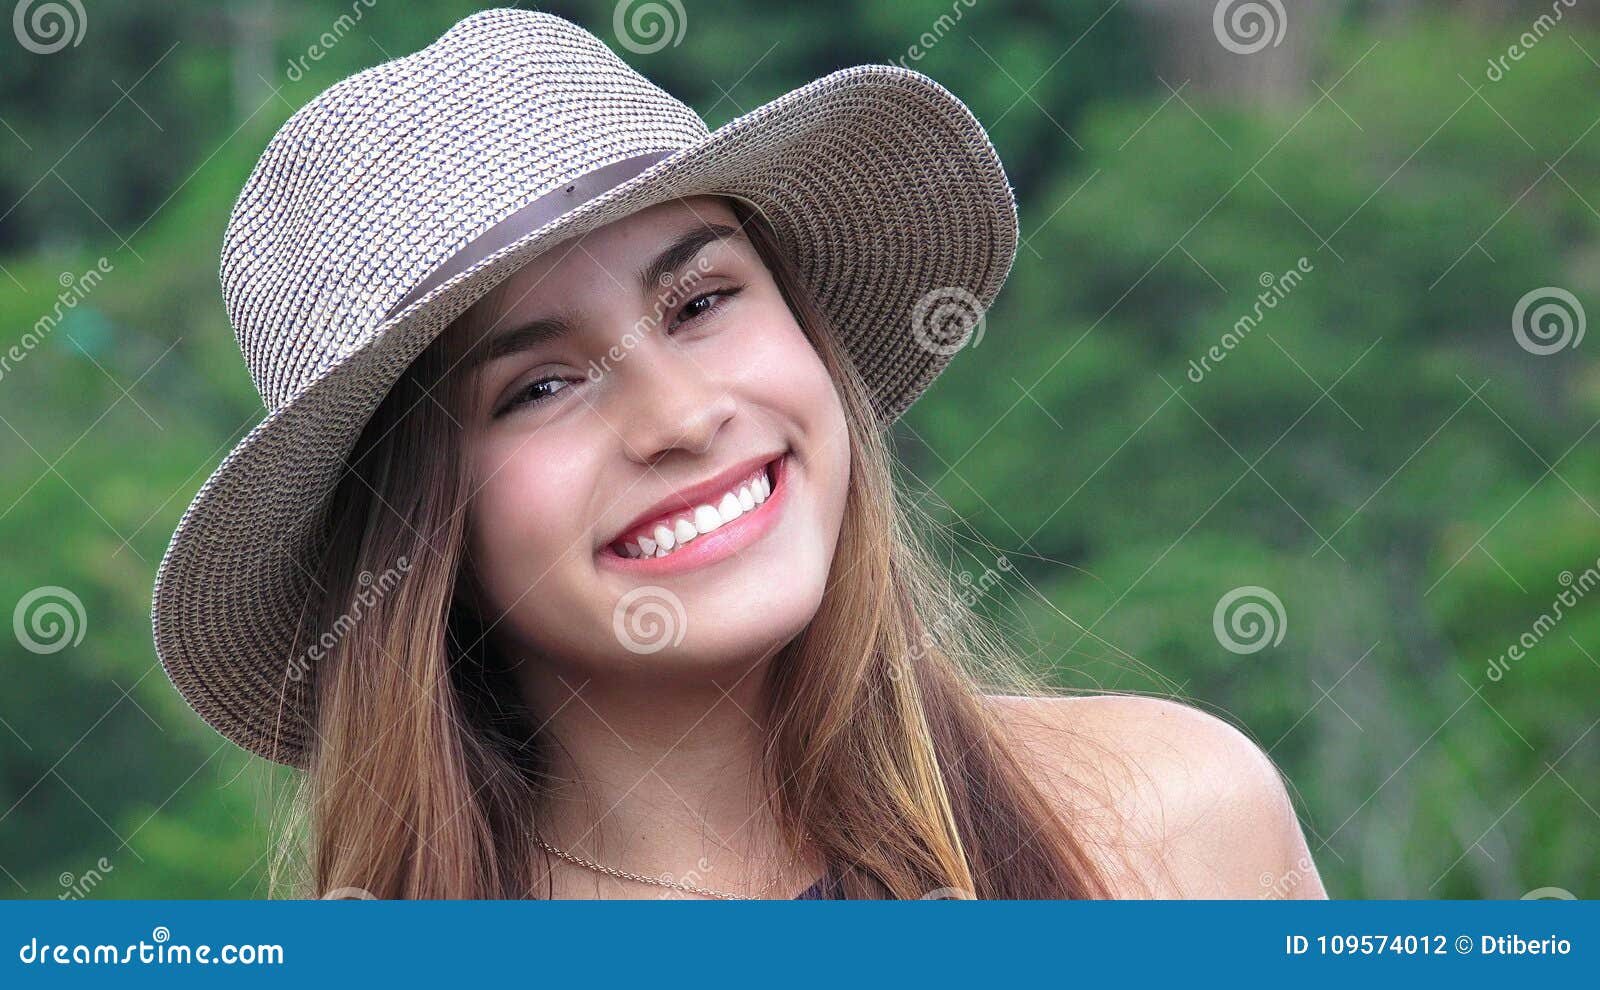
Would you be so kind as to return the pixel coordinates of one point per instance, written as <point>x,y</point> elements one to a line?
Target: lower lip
<point>721,543</point>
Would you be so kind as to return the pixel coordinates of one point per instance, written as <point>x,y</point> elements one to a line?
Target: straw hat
<point>398,197</point>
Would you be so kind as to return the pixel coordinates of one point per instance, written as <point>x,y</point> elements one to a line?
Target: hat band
<point>551,206</point>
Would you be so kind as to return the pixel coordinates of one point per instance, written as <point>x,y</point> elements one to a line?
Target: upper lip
<point>700,493</point>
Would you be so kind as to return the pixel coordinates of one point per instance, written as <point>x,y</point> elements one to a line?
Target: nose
<point>669,401</point>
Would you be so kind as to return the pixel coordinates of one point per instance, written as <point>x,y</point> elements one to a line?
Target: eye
<point>703,304</point>
<point>533,393</point>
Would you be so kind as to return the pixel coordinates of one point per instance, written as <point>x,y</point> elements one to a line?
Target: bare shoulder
<point>1173,801</point>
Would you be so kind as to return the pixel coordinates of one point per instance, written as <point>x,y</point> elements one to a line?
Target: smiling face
<point>658,455</point>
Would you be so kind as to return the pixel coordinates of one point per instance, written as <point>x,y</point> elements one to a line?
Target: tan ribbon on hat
<point>536,214</point>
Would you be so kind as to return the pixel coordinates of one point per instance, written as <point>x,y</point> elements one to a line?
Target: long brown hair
<point>427,771</point>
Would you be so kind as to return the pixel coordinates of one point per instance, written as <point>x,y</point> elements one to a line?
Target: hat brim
<point>880,182</point>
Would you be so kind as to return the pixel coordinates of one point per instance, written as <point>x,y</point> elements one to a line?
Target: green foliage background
<point>1379,451</point>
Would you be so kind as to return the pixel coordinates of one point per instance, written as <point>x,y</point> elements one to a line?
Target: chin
<point>762,628</point>
<point>727,632</point>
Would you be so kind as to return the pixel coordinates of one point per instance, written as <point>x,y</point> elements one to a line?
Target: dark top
<point>825,889</point>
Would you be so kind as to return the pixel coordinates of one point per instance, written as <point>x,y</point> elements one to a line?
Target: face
<point>659,456</point>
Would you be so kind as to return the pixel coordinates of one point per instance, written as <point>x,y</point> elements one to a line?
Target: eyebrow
<point>661,269</point>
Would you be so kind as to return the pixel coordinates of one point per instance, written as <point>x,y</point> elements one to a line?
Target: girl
<point>613,594</point>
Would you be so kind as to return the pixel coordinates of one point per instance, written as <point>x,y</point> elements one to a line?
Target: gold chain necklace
<point>687,888</point>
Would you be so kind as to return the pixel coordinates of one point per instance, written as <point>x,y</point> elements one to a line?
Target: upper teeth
<point>666,535</point>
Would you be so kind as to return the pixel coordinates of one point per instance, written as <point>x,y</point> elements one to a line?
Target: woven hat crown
<point>373,184</point>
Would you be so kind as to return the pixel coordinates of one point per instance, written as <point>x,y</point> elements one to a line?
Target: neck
<point>662,779</point>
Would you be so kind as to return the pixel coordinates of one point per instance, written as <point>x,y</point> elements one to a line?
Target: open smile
<point>720,526</point>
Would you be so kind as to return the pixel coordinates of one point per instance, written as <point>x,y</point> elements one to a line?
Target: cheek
<point>783,374</point>
<point>523,522</point>
<point>777,368</point>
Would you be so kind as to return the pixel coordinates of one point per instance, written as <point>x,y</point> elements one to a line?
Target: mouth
<point>712,526</point>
